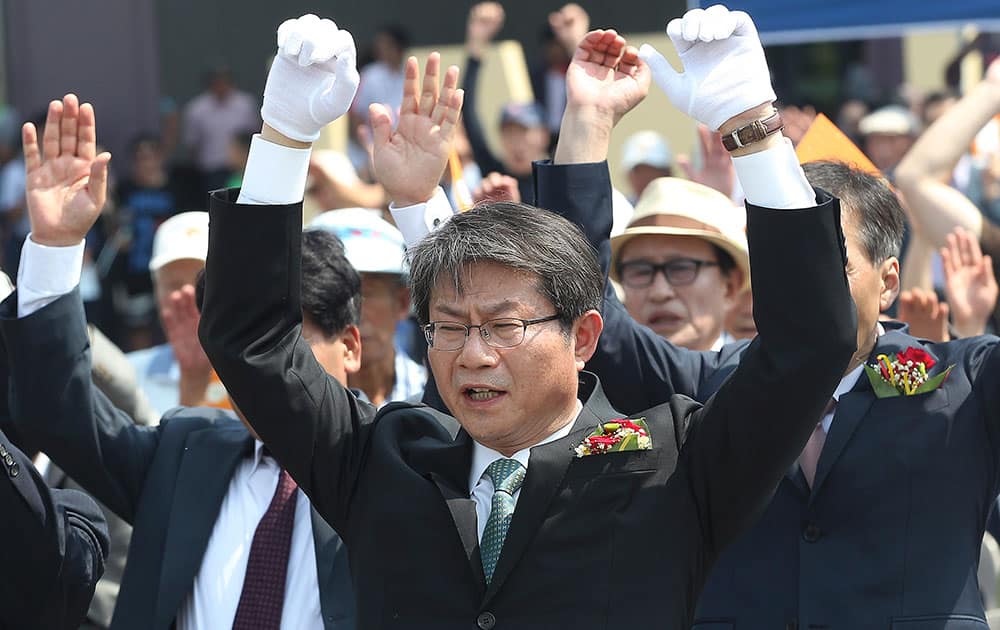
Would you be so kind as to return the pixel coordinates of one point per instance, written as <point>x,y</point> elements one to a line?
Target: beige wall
<point>926,55</point>
<point>504,78</point>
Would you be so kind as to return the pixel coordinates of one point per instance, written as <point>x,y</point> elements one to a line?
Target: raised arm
<point>54,402</point>
<point>739,446</point>
<point>251,317</point>
<point>639,368</point>
<point>485,21</point>
<point>924,175</point>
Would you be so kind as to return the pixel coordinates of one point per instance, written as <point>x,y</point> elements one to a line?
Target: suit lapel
<point>851,408</point>
<point>797,479</point>
<point>206,468</point>
<point>854,405</point>
<point>447,464</point>
<point>546,469</point>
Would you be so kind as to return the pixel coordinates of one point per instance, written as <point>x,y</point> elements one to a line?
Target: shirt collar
<point>258,456</point>
<point>847,384</point>
<point>483,456</point>
<point>720,342</point>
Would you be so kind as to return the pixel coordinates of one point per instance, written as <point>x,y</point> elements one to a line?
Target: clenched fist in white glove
<point>312,80</point>
<point>725,72</point>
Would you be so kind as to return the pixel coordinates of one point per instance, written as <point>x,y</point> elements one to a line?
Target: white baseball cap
<point>180,237</point>
<point>372,244</point>
<point>891,120</point>
<point>646,147</point>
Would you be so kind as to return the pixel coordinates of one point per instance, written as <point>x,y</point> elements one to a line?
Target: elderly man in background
<point>178,372</point>
<point>887,134</point>
<point>683,262</point>
<point>375,248</point>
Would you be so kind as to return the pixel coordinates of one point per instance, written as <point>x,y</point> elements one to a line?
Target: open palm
<point>606,74</point>
<point>66,188</point>
<point>410,160</point>
<point>969,282</point>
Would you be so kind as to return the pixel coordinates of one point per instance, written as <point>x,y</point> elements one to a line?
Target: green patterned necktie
<point>507,476</point>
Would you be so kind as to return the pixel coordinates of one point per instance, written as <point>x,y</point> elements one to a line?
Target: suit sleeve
<point>56,406</point>
<point>638,368</point>
<point>982,364</point>
<point>57,540</point>
<point>742,442</point>
<point>481,152</point>
<point>251,330</point>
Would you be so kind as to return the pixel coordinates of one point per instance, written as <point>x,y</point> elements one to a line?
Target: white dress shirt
<point>216,591</point>
<point>847,384</point>
<point>481,485</point>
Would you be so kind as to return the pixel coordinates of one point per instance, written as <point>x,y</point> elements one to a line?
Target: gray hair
<point>518,236</point>
<point>869,200</point>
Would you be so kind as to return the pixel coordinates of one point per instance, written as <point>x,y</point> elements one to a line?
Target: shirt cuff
<point>774,179</point>
<point>46,274</point>
<point>419,220</point>
<point>275,175</point>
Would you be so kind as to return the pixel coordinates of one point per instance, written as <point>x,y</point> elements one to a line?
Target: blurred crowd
<point>151,239</point>
<point>679,253</point>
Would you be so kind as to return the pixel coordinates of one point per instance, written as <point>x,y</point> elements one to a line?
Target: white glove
<point>312,80</point>
<point>725,72</point>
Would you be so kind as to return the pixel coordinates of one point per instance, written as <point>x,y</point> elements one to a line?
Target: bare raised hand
<point>928,318</point>
<point>66,181</point>
<point>606,74</point>
<point>969,283</point>
<point>409,161</point>
<point>605,80</point>
<point>717,170</point>
<point>497,187</point>
<point>180,318</point>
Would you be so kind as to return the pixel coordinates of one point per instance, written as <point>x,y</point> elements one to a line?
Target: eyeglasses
<point>505,332</point>
<point>678,272</point>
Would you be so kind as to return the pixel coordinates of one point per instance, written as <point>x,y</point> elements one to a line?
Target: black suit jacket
<point>167,481</point>
<point>54,543</point>
<point>621,540</point>
<point>889,536</point>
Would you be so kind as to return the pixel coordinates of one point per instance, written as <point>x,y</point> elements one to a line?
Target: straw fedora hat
<point>671,206</point>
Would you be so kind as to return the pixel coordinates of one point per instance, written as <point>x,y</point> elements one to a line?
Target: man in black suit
<point>58,537</point>
<point>58,541</point>
<point>218,527</point>
<point>512,523</point>
<point>880,525</point>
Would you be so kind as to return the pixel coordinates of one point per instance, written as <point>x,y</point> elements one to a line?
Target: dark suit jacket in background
<point>890,536</point>
<point>53,545</point>
<point>168,481</point>
<point>622,540</point>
